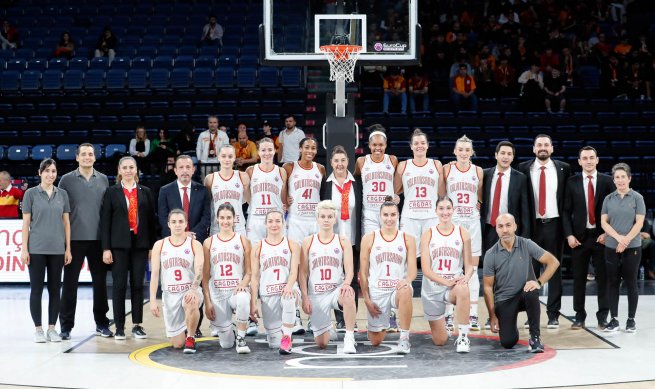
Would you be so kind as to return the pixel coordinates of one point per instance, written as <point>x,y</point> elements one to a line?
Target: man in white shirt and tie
<point>547,181</point>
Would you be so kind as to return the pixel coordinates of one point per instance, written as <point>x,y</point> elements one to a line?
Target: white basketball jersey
<point>377,182</point>
<point>325,265</point>
<point>387,262</point>
<point>265,191</point>
<point>230,191</point>
<point>274,267</point>
<point>462,188</point>
<point>226,263</point>
<point>421,189</point>
<point>446,256</point>
<point>304,188</point>
<point>176,266</point>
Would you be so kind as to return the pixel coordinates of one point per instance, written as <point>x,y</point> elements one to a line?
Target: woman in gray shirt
<point>46,245</point>
<point>622,217</point>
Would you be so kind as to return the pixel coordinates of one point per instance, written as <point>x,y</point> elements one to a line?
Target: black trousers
<point>507,312</point>
<point>624,266</point>
<point>37,271</point>
<point>589,250</point>
<point>93,253</point>
<point>549,237</point>
<point>132,261</point>
<point>489,237</point>
<point>338,315</point>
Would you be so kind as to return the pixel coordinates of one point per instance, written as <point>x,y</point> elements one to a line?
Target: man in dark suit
<point>187,195</point>
<point>581,222</point>
<point>505,191</point>
<point>191,197</point>
<point>547,185</point>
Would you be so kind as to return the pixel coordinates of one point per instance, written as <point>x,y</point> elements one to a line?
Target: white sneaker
<point>349,345</point>
<point>214,333</point>
<point>52,335</point>
<point>403,346</point>
<point>463,344</point>
<point>242,346</point>
<point>252,329</point>
<point>39,336</point>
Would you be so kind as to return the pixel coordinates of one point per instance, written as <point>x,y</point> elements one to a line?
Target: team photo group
<point>297,238</point>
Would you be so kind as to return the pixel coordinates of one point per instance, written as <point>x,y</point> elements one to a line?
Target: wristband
<point>539,282</point>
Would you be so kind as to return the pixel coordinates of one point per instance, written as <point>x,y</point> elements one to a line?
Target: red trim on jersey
<point>161,248</point>
<point>212,180</point>
<point>271,244</point>
<point>445,173</point>
<point>341,244</point>
<point>392,239</point>
<point>310,243</point>
<point>304,168</point>
<point>477,173</point>
<point>427,160</point>
<point>463,171</point>
<point>405,242</point>
<point>173,244</point>
<point>241,179</point>
<point>224,241</point>
<point>259,166</point>
<point>319,238</point>
<point>279,171</point>
<point>442,234</point>
<point>193,250</point>
<point>242,243</point>
<point>404,167</point>
<point>370,156</point>
<point>226,179</point>
<point>460,234</point>
<point>289,245</point>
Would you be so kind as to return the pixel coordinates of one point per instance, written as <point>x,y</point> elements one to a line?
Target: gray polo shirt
<point>511,269</point>
<point>85,203</point>
<point>621,214</point>
<point>46,225</point>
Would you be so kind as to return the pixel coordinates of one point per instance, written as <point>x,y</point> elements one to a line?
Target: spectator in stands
<point>9,36</point>
<point>46,246</point>
<point>417,89</point>
<point>65,47</point>
<point>463,89</point>
<point>549,59</point>
<point>209,142</point>
<point>554,89</point>
<point>267,132</point>
<point>168,174</point>
<point>636,82</point>
<point>394,87</point>
<point>569,65</point>
<point>185,140</point>
<point>246,151</point>
<point>289,139</point>
<point>612,78</point>
<point>212,33</point>
<point>106,45</point>
<point>532,85</point>
<point>161,148</point>
<point>139,147</point>
<point>10,197</point>
<point>484,80</point>
<point>505,79</point>
<point>231,134</point>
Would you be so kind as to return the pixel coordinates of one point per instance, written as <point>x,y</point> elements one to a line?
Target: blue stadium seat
<point>121,63</point>
<point>66,152</point>
<point>60,64</point>
<point>184,61</point>
<point>73,80</point>
<point>51,80</point>
<point>2,152</point>
<point>206,61</point>
<point>9,80</point>
<point>99,63</point>
<point>18,153</point>
<point>224,77</point>
<point>246,77</point>
<point>30,81</point>
<point>37,64</point>
<point>268,77</point>
<point>163,62</point>
<point>41,152</point>
<point>78,63</point>
<point>115,79</point>
<point>180,78</point>
<point>142,62</point>
<point>291,77</point>
<point>115,148</point>
<point>203,78</point>
<point>137,79</point>
<point>16,64</point>
<point>159,79</point>
<point>24,53</point>
<point>248,60</point>
<point>170,50</point>
<point>94,80</point>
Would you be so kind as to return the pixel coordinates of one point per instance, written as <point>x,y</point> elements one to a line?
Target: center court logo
<point>390,46</point>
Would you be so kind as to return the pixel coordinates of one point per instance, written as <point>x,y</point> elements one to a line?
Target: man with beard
<point>547,182</point>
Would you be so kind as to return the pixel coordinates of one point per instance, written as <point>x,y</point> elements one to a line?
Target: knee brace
<point>474,285</point>
<point>288,310</point>
<point>243,307</point>
<point>226,338</point>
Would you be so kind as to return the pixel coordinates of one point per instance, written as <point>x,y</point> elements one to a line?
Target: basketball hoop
<point>342,60</point>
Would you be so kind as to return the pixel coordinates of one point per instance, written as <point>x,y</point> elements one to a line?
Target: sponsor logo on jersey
<point>337,251</point>
<point>431,171</point>
<point>285,251</point>
<point>187,251</point>
<point>457,243</point>
<point>401,248</point>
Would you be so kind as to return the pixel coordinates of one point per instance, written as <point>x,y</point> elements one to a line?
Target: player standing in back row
<point>180,260</point>
<point>464,188</point>
<point>376,171</point>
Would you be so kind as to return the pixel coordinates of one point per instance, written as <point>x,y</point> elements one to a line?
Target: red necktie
<point>185,205</point>
<point>591,204</point>
<point>495,207</point>
<point>542,191</point>
<point>345,199</point>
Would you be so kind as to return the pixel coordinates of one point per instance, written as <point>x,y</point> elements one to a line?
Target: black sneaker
<point>553,324</point>
<point>602,324</point>
<point>104,332</point>
<point>139,333</point>
<point>535,345</point>
<point>120,334</point>
<point>630,326</point>
<point>198,334</point>
<point>526,325</point>
<point>613,326</point>
<point>487,324</point>
<point>65,335</point>
<point>341,326</point>
<point>577,325</point>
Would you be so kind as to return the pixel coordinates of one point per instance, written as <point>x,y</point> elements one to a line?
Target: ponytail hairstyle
<point>388,202</point>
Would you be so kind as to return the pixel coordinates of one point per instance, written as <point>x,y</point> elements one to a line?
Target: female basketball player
<point>421,179</point>
<point>228,186</point>
<point>376,171</point>
<point>324,258</point>
<point>464,188</point>
<point>446,249</point>
<point>268,190</point>
<point>226,277</point>
<point>274,264</point>
<point>179,259</point>
<point>387,269</point>
<point>303,191</point>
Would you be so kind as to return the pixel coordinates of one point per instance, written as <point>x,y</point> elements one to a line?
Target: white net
<point>342,59</point>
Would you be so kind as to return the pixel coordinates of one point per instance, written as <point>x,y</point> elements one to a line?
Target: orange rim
<point>341,52</point>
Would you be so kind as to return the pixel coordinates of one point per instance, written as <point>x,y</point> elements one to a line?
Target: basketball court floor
<point>572,358</point>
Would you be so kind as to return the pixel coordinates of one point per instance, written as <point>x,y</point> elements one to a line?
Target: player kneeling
<point>226,277</point>
<point>179,259</point>
<point>324,257</point>
<point>445,249</point>
<point>274,273</point>
<point>387,269</point>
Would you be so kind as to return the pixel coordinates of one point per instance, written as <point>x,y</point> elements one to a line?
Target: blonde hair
<point>465,139</point>
<point>272,211</point>
<point>326,205</point>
